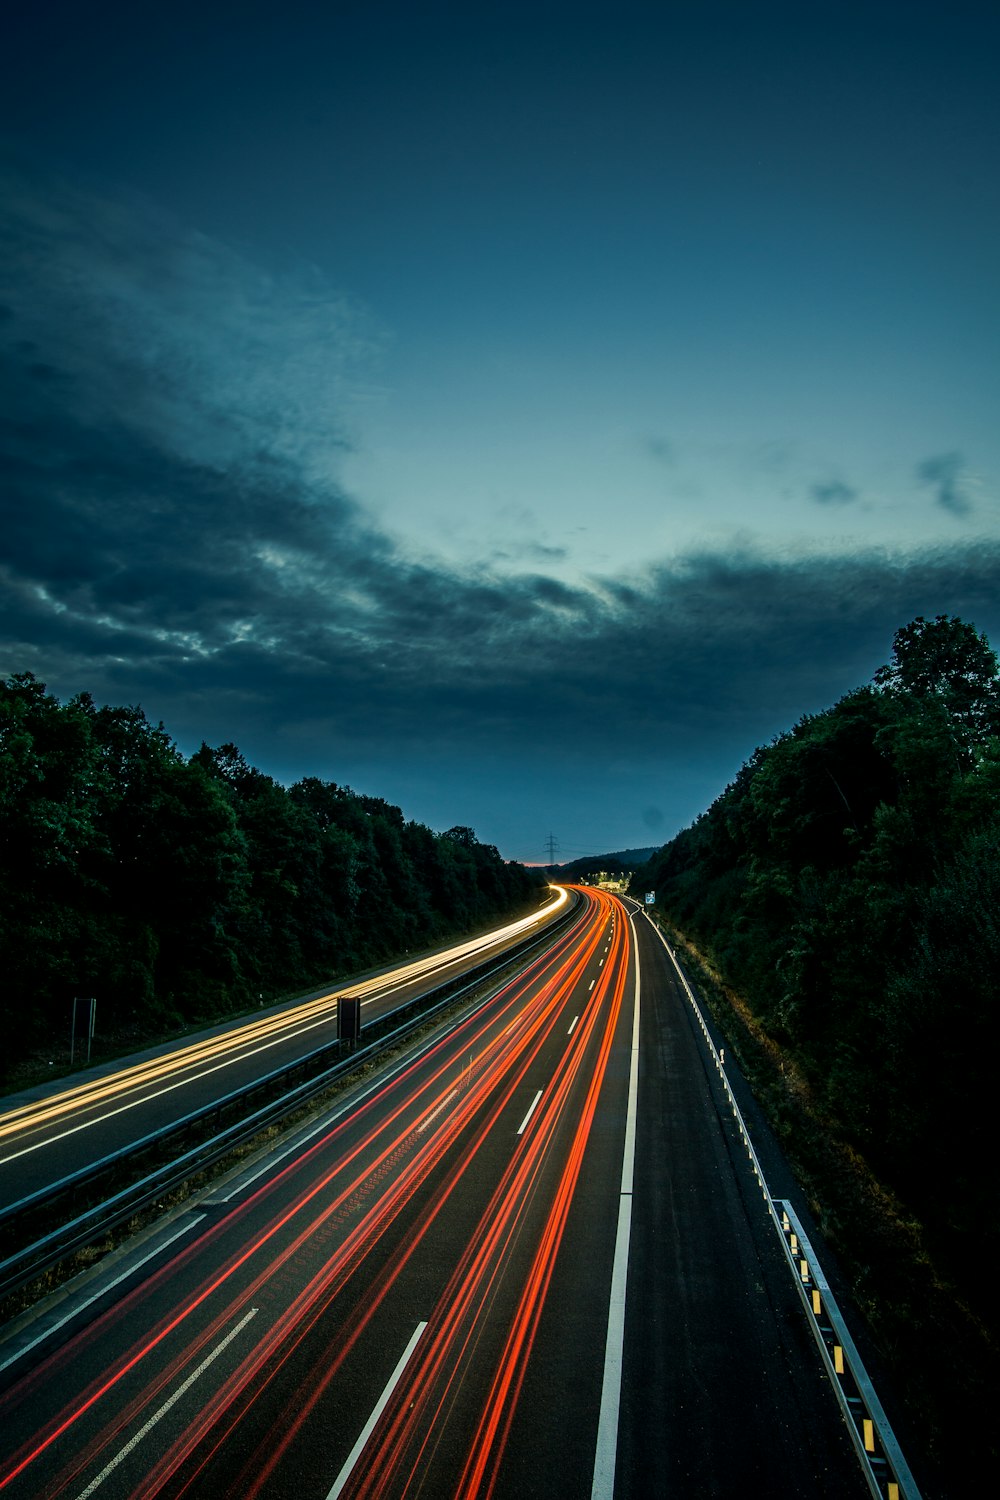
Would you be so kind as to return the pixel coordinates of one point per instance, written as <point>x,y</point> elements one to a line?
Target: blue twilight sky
<point>518,412</point>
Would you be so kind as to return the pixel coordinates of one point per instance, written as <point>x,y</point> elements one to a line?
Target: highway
<point>47,1133</point>
<point>526,1258</point>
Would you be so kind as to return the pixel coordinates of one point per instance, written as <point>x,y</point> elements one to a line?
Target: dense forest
<point>847,886</point>
<point>173,888</point>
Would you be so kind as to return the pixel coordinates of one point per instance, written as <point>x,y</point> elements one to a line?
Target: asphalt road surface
<point>47,1133</point>
<point>529,1258</point>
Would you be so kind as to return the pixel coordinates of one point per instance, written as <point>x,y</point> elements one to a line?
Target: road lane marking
<point>380,1406</point>
<point>572,1025</point>
<point>434,1114</point>
<point>147,1427</point>
<point>102,1290</point>
<point>607,1431</point>
<point>531,1111</point>
<point>274,1157</point>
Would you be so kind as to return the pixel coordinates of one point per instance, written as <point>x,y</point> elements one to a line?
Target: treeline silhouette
<point>174,888</point>
<point>847,886</point>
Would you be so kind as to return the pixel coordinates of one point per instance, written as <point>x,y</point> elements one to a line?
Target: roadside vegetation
<point>175,889</point>
<point>842,898</point>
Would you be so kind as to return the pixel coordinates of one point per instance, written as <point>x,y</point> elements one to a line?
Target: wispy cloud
<point>833,492</point>
<point>945,474</point>
<point>662,450</point>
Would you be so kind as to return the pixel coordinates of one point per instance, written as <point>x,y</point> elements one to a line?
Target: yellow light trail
<point>200,1059</point>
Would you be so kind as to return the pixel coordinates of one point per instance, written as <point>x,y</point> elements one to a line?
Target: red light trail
<point>432,1126</point>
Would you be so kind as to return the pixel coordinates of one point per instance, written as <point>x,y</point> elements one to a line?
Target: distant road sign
<point>650,897</point>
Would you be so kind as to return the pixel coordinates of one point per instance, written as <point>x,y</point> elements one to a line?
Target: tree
<point>173,889</point>
<point>847,885</point>
<point>945,660</point>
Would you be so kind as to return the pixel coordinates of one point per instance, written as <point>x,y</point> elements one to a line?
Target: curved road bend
<point>47,1133</point>
<point>420,1300</point>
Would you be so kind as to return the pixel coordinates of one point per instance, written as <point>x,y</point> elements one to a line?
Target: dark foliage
<point>621,862</point>
<point>175,889</point>
<point>847,884</point>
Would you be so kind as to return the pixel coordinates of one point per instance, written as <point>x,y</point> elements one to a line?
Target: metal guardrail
<point>873,1438</point>
<point>51,1248</point>
<point>882,1462</point>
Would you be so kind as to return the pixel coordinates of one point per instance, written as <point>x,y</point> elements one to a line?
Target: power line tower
<point>552,848</point>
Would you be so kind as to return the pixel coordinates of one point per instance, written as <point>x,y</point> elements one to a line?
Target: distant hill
<point>593,864</point>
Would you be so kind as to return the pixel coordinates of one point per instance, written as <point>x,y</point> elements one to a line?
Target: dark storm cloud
<point>166,331</point>
<point>833,492</point>
<point>245,600</point>
<point>346,644</point>
<point>365,649</point>
<point>943,473</point>
<point>174,534</point>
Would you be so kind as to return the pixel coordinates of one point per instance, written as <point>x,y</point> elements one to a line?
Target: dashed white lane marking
<point>186,1385</point>
<point>380,1406</point>
<point>531,1111</point>
<point>434,1114</point>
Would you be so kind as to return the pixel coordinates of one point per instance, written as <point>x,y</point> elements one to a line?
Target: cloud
<point>174,333</point>
<point>529,550</point>
<point>833,492</point>
<point>175,535</point>
<point>235,608</point>
<point>945,474</point>
<point>662,450</point>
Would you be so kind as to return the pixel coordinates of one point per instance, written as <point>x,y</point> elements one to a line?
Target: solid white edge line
<point>147,1427</point>
<point>381,1404</point>
<point>102,1290</point>
<point>533,1106</point>
<point>606,1455</point>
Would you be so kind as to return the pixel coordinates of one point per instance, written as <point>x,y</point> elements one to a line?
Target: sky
<point>516,412</point>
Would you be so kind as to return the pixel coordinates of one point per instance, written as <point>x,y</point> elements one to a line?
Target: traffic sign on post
<point>82,1025</point>
<point>349,1019</point>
